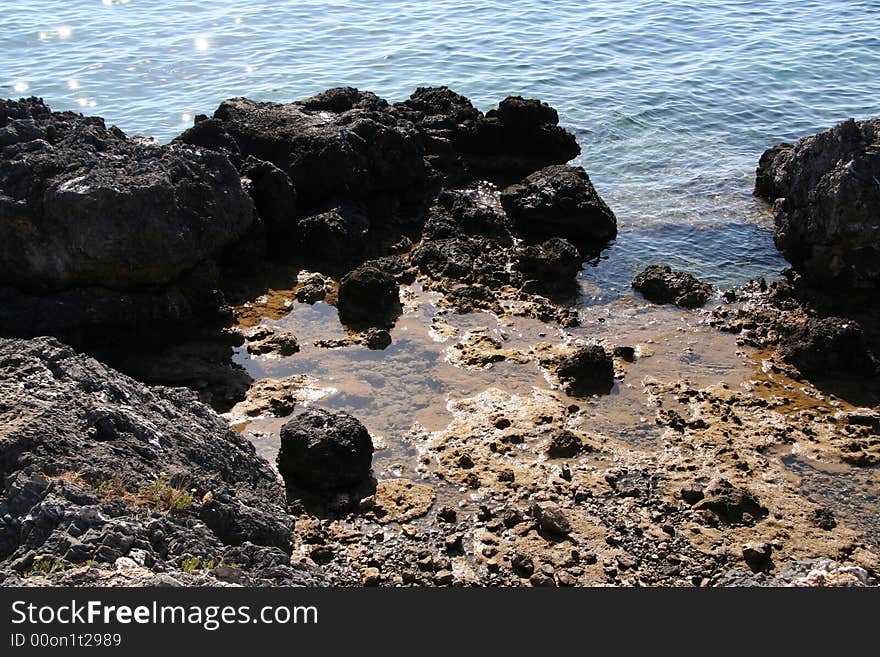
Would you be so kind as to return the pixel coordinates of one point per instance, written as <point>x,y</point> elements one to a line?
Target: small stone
<point>376,339</point>
<point>444,577</point>
<point>541,580</point>
<point>757,556</point>
<point>454,544</point>
<point>566,579</point>
<point>522,565</point>
<point>692,494</point>
<point>506,475</point>
<point>551,519</point>
<point>502,423</point>
<point>564,444</point>
<point>447,513</point>
<point>372,577</point>
<point>823,518</point>
<point>627,562</point>
<point>625,353</point>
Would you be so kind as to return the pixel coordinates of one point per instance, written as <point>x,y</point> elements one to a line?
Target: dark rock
<point>313,288</point>
<point>449,258</point>
<point>341,142</point>
<point>522,565</point>
<point>542,580</point>
<point>556,261</point>
<point>692,494</point>
<point>211,134</point>
<point>551,519</point>
<point>560,201</point>
<point>334,237</point>
<point>731,504</point>
<point>826,201</point>
<point>587,371</point>
<point>519,137</point>
<point>564,444</point>
<point>757,556</point>
<point>368,295</point>
<point>81,447</point>
<point>828,346</point>
<point>324,451</point>
<point>376,338</point>
<point>625,353</point>
<point>823,518</point>
<point>84,205</point>
<point>661,284</point>
<point>459,213</point>
<point>447,514</point>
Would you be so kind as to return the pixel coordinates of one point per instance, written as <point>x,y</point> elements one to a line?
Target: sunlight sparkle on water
<point>201,43</point>
<point>186,118</point>
<point>64,32</point>
<point>73,85</point>
<point>20,87</point>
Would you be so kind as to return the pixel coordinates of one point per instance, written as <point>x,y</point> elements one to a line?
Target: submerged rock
<point>826,200</point>
<point>560,201</point>
<point>662,284</point>
<point>323,451</point>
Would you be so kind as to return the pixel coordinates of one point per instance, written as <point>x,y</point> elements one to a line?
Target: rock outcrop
<point>101,471</point>
<point>826,204</point>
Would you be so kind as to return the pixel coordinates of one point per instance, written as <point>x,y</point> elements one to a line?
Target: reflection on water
<point>852,492</point>
<point>412,381</point>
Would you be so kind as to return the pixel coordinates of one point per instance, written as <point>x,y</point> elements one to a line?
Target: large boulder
<point>826,204</point>
<point>662,284</point>
<point>324,451</point>
<point>98,467</point>
<point>560,201</point>
<point>369,295</point>
<point>84,205</point>
<point>342,143</point>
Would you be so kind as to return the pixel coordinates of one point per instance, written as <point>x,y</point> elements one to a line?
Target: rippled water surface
<point>673,102</point>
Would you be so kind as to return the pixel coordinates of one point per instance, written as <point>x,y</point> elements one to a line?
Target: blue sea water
<point>672,101</point>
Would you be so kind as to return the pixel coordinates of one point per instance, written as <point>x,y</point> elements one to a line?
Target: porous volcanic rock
<point>99,468</point>
<point>324,451</point>
<point>662,284</point>
<point>826,200</point>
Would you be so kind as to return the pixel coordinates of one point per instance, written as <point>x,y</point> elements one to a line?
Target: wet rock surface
<point>661,284</point>
<point>324,451</point>
<point>108,480</point>
<point>560,201</point>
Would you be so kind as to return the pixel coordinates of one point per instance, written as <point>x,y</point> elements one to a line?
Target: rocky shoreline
<point>161,260</point>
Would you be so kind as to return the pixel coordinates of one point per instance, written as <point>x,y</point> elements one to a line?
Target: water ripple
<point>673,100</point>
